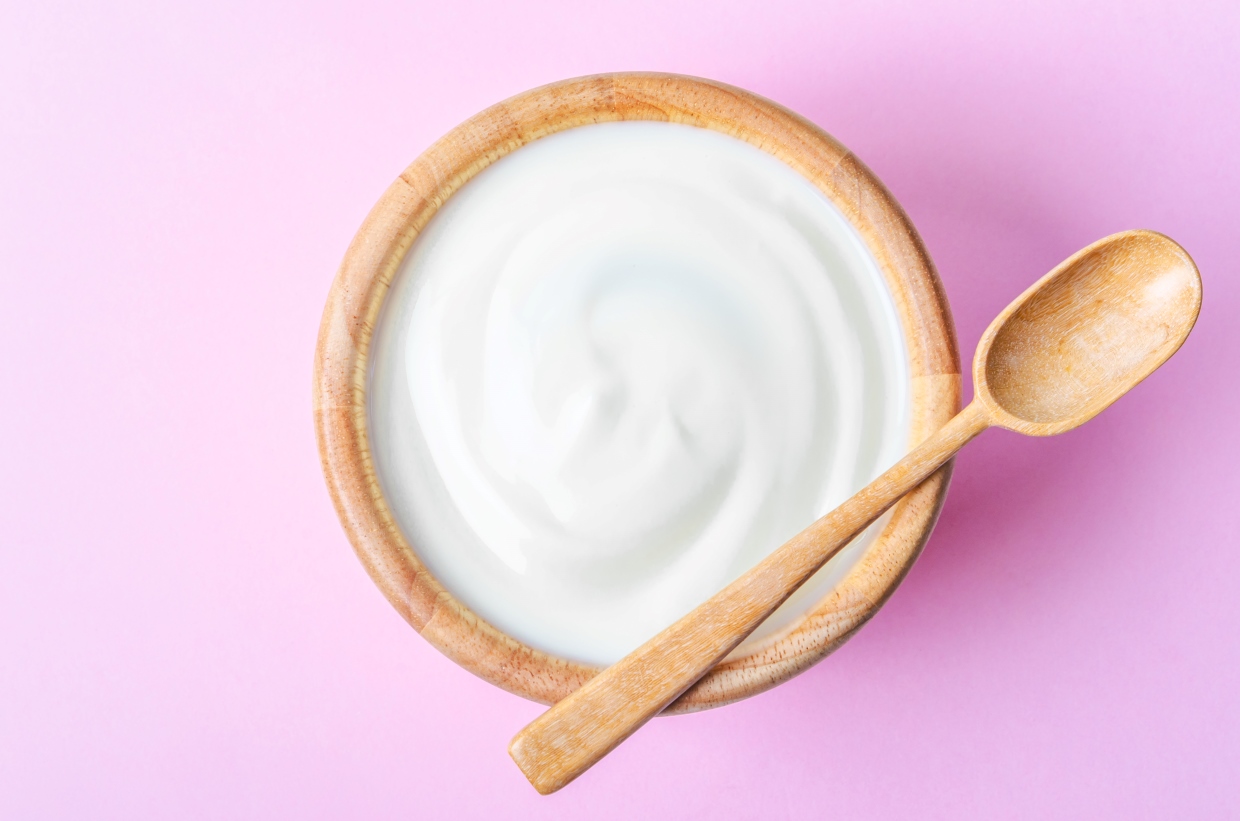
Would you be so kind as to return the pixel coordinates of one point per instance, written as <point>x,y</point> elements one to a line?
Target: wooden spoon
<point>1068,347</point>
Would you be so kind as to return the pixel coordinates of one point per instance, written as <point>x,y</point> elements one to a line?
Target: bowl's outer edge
<point>340,369</point>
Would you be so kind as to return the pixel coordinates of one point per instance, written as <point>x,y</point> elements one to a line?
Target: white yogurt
<point>618,368</point>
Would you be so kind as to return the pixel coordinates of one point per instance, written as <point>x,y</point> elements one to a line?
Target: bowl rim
<point>374,257</point>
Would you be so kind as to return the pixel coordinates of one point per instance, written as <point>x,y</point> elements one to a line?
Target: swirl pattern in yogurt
<point>619,367</point>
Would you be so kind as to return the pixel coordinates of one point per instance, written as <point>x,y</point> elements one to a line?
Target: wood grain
<point>1084,334</point>
<point>1067,348</point>
<point>412,200</point>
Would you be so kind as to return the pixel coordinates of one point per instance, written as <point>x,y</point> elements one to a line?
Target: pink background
<point>184,631</point>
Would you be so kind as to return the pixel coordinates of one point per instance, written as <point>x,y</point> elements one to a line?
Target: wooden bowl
<point>340,373</point>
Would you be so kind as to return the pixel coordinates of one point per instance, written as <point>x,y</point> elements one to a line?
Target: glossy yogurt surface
<point>619,367</point>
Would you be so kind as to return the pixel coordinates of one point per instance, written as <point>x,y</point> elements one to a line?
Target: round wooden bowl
<point>340,372</point>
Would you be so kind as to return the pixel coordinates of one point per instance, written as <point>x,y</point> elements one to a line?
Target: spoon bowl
<point>1086,333</point>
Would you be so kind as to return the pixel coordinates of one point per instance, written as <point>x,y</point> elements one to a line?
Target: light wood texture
<point>1079,339</point>
<point>412,200</point>
<point>1086,333</point>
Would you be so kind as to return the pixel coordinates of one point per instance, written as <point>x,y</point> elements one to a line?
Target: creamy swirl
<point>619,367</point>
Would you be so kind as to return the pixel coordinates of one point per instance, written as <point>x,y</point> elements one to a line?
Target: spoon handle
<point>574,734</point>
